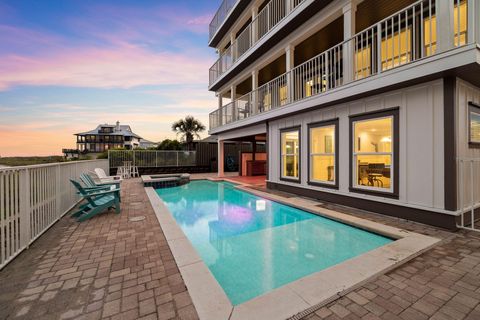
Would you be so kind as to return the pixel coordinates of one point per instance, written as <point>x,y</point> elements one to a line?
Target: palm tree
<point>188,128</point>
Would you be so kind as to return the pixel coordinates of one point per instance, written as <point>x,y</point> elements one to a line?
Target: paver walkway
<point>441,284</point>
<point>108,267</point>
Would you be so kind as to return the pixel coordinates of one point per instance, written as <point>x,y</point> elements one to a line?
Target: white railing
<point>243,42</point>
<point>469,193</point>
<point>220,16</point>
<point>243,106</point>
<point>317,75</point>
<point>274,12</point>
<point>271,95</point>
<point>152,158</point>
<point>397,40</point>
<point>33,198</point>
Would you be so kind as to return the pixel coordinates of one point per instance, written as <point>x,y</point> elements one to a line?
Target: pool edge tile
<point>280,303</point>
<point>183,252</point>
<point>208,297</point>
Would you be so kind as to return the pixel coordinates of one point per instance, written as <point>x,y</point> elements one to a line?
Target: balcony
<point>268,17</point>
<point>220,16</point>
<point>400,39</point>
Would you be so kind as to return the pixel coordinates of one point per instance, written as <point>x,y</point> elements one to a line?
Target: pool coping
<point>296,298</point>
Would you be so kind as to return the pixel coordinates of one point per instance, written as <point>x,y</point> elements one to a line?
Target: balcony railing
<point>274,12</point>
<point>220,16</point>
<point>402,38</point>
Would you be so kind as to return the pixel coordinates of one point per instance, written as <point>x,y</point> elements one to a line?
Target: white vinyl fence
<point>33,198</point>
<point>469,193</point>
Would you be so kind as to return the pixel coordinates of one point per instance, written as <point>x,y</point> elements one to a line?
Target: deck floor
<point>112,268</point>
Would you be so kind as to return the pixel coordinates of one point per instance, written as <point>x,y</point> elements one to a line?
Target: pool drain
<point>136,219</point>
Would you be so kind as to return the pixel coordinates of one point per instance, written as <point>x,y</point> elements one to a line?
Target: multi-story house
<point>373,104</point>
<point>103,138</point>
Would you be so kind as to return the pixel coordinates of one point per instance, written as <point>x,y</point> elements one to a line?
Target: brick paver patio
<point>108,267</point>
<point>441,284</point>
<point>113,268</point>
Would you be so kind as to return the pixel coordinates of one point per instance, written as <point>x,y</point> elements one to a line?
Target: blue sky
<point>68,65</point>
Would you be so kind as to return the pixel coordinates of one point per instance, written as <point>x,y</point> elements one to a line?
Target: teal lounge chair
<point>90,182</point>
<point>97,201</point>
<point>91,185</point>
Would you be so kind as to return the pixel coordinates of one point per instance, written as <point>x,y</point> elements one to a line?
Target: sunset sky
<point>68,65</point>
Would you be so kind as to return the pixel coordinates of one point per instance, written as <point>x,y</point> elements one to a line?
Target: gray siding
<point>421,143</point>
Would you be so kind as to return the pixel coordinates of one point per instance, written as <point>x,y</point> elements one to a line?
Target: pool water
<point>253,245</point>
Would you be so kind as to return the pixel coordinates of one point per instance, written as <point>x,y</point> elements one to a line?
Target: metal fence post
<point>177,157</point>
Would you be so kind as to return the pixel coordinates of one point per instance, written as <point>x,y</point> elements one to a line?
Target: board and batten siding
<point>421,167</point>
<point>466,92</point>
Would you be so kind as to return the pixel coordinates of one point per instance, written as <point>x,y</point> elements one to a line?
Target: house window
<point>363,62</point>
<point>396,49</point>
<point>459,28</point>
<point>322,153</point>
<point>474,124</point>
<point>290,157</point>
<point>373,156</point>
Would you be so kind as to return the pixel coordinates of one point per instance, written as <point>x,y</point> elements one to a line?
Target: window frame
<point>472,107</point>
<point>282,177</point>
<point>327,123</point>
<point>395,177</point>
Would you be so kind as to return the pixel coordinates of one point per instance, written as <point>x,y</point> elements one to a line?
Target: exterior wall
<point>421,158</point>
<point>466,93</point>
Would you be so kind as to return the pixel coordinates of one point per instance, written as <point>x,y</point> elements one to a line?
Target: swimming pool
<point>252,245</point>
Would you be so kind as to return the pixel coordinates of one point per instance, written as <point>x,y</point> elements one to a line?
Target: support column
<point>288,7</point>
<point>254,36</point>
<point>473,18</point>
<point>220,158</point>
<point>349,18</point>
<point>233,47</point>
<point>254,92</point>
<point>445,30</point>
<point>233,97</point>
<point>290,62</point>
<point>220,111</point>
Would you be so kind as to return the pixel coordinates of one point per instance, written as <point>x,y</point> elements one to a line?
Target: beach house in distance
<point>105,137</point>
<point>372,104</point>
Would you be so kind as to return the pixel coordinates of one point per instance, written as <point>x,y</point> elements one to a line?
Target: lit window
<point>322,153</point>
<point>474,124</point>
<point>283,95</point>
<point>459,28</point>
<point>373,153</point>
<point>396,49</point>
<point>290,142</point>
<point>363,62</point>
<point>460,23</point>
<point>315,87</point>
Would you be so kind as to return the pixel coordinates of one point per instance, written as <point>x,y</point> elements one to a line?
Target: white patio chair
<point>103,176</point>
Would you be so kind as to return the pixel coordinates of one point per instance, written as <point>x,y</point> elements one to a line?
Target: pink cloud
<point>117,67</point>
<point>201,20</point>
